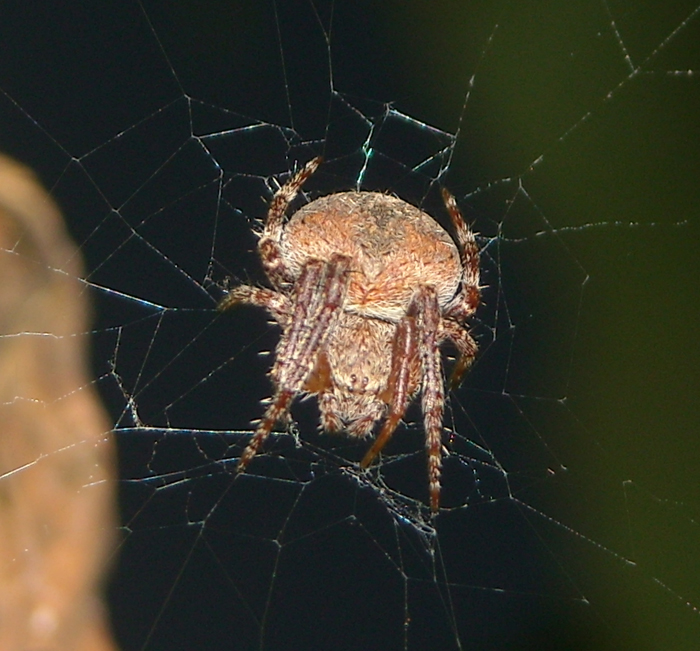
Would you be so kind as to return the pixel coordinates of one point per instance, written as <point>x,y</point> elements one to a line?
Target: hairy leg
<point>268,245</point>
<point>466,346</point>
<point>363,426</point>
<point>433,394</point>
<point>319,295</point>
<point>466,302</point>
<point>328,405</point>
<point>403,353</point>
<point>276,304</point>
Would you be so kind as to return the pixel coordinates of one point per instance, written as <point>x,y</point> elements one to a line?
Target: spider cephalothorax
<point>366,287</point>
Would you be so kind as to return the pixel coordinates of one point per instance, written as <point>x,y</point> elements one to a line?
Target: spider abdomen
<point>394,248</point>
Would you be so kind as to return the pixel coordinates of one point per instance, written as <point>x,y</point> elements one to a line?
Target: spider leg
<point>328,405</point>
<point>364,425</point>
<point>320,382</point>
<point>321,292</point>
<point>466,302</point>
<point>433,394</point>
<point>275,412</point>
<point>278,305</point>
<point>398,386</point>
<point>317,300</point>
<point>418,332</point>
<point>466,346</point>
<point>268,245</point>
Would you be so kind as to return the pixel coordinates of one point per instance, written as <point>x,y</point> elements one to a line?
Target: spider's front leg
<point>317,299</point>
<point>466,346</point>
<point>432,391</point>
<point>269,243</point>
<point>416,353</point>
<point>400,385</point>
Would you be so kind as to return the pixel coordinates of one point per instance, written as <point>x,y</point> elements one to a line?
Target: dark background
<point>576,451</point>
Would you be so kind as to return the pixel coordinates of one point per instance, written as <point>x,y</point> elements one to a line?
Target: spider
<point>366,288</point>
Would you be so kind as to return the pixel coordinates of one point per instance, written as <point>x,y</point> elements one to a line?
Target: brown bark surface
<point>57,503</point>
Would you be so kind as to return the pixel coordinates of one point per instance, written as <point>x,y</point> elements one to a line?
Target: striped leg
<point>317,300</point>
<point>399,385</point>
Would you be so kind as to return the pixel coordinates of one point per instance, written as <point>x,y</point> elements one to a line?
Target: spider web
<point>569,135</point>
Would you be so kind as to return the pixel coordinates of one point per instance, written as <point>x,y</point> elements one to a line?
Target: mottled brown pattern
<point>366,288</point>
